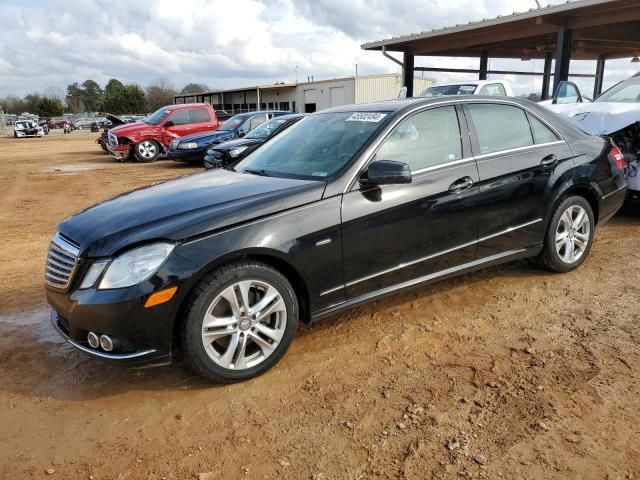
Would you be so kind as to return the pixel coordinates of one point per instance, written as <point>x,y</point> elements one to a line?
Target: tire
<point>569,236</point>
<point>146,151</point>
<point>238,345</point>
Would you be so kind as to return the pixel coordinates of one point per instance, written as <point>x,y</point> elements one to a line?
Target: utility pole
<point>296,73</point>
<point>356,69</point>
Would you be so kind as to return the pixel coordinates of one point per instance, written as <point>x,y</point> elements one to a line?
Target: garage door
<point>336,95</point>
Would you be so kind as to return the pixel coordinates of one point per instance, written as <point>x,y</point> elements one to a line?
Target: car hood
<point>240,142</point>
<point>600,118</point>
<point>209,137</point>
<point>180,209</point>
<point>132,130</point>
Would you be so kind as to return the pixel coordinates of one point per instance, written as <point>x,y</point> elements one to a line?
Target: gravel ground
<point>509,373</point>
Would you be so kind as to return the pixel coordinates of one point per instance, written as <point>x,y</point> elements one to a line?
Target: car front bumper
<point>194,155</point>
<point>121,152</point>
<point>141,336</point>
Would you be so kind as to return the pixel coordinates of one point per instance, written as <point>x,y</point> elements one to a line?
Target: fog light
<point>94,341</point>
<point>106,343</point>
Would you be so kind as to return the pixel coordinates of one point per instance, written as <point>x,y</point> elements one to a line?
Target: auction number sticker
<point>366,117</point>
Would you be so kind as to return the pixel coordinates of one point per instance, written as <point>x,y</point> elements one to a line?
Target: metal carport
<point>581,30</point>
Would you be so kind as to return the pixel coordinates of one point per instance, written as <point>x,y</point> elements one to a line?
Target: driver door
<point>178,124</point>
<point>397,233</point>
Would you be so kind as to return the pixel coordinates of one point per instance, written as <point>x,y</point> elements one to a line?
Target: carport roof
<point>609,28</point>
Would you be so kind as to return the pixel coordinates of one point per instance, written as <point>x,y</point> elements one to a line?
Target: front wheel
<point>240,322</point>
<point>147,151</point>
<point>569,236</point>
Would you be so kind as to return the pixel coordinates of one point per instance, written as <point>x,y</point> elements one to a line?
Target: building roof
<point>601,27</point>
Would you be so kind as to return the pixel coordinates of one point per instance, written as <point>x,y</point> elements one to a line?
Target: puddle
<point>69,168</point>
<point>36,321</point>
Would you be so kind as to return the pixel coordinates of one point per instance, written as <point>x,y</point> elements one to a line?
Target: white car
<point>27,128</point>
<point>615,113</point>
<point>475,87</point>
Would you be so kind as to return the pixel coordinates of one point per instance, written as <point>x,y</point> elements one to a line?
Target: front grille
<point>61,263</point>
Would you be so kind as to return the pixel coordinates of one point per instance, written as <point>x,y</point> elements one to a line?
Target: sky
<point>48,44</point>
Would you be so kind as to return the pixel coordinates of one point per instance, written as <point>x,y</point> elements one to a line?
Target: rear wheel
<point>240,322</point>
<point>147,151</point>
<point>569,236</point>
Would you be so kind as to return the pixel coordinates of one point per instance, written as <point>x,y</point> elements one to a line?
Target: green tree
<point>50,107</point>
<point>31,102</point>
<point>136,99</point>
<point>119,99</point>
<point>92,96</point>
<point>194,88</point>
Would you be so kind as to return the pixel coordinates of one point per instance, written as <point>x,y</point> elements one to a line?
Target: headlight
<point>188,146</point>
<point>135,266</point>
<point>95,270</point>
<point>237,151</point>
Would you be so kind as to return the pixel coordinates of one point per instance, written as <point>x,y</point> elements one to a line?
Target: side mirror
<point>240,133</point>
<point>169,123</point>
<point>386,172</point>
<point>567,93</point>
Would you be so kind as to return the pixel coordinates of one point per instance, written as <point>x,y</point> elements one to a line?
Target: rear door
<point>519,157</point>
<point>396,233</point>
<point>201,120</point>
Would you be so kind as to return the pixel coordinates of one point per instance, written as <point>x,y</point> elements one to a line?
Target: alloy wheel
<point>147,149</point>
<point>244,324</point>
<point>573,234</point>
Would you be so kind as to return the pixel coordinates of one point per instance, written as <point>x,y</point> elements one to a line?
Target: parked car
<point>147,140</point>
<point>192,148</point>
<point>82,123</point>
<point>351,204</point>
<point>27,128</point>
<point>56,122</point>
<point>476,87</point>
<point>232,151</point>
<point>615,113</point>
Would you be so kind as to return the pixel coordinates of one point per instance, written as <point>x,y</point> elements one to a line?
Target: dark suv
<point>351,204</point>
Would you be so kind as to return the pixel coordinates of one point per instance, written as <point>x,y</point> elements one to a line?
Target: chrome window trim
<point>367,156</point>
<point>433,255</point>
<point>517,149</point>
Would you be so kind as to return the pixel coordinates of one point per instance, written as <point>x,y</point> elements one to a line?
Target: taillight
<point>618,157</point>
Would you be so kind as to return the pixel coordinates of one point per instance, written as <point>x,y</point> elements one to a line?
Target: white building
<point>306,97</point>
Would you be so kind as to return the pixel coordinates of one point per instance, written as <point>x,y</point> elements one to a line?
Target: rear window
<point>541,133</point>
<point>200,115</point>
<point>500,127</point>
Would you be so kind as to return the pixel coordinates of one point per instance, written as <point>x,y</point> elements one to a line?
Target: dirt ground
<point>510,373</point>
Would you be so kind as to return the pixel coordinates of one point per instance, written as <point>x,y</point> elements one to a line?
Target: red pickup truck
<point>147,139</point>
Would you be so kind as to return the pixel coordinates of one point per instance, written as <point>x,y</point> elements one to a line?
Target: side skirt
<point>479,264</point>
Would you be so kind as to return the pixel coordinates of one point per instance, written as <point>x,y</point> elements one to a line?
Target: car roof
<point>470,82</point>
<point>180,106</point>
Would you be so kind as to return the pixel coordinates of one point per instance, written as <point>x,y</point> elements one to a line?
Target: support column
<point>562,56</point>
<point>546,77</point>
<point>597,87</point>
<point>484,65</point>
<point>408,73</point>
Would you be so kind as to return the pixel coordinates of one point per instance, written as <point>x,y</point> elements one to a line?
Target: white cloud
<point>223,43</point>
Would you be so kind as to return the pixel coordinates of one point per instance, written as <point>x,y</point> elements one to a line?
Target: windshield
<point>316,147</point>
<point>441,90</point>
<point>233,122</point>
<point>625,92</point>
<point>267,129</point>
<point>156,117</point>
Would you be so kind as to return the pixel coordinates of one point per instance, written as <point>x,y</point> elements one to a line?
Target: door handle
<point>461,184</point>
<point>549,160</point>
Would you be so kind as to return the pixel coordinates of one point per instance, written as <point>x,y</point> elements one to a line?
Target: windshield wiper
<point>262,173</point>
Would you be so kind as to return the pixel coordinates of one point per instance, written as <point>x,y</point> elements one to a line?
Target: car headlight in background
<point>135,266</point>
<point>237,151</point>
<point>188,146</point>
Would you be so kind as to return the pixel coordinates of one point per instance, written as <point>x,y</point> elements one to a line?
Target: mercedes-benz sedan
<point>346,206</point>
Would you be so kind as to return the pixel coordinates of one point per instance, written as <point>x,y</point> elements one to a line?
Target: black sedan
<point>351,204</point>
<point>192,148</point>
<point>233,151</point>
